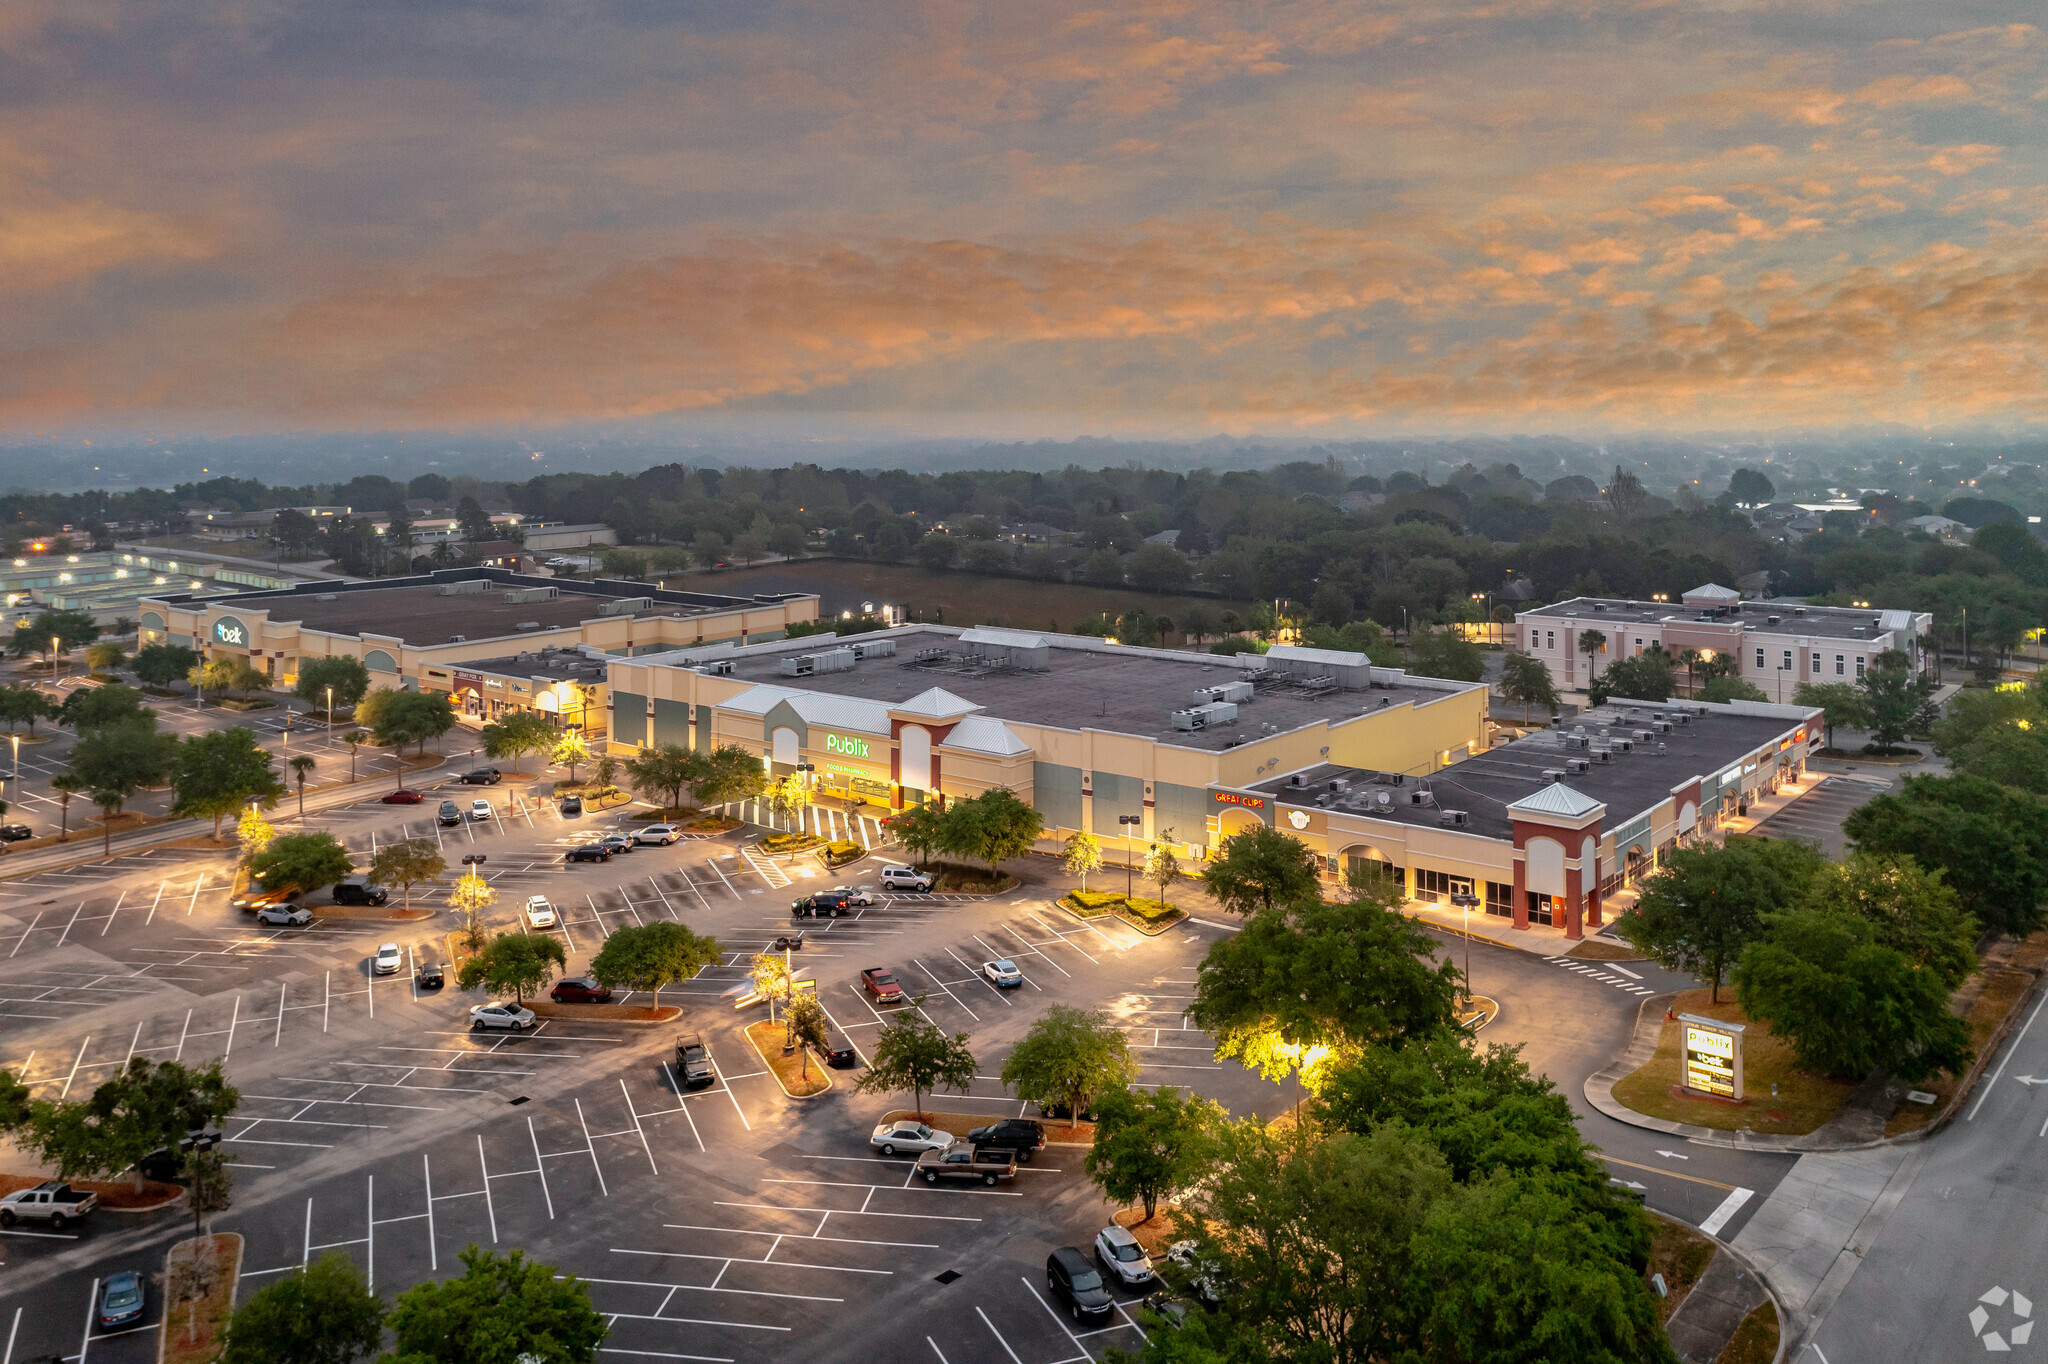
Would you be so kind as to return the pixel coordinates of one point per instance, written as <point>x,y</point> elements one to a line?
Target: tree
<point>322,1313</point>
<point>2011,755</point>
<point>300,766</point>
<point>1067,1058</point>
<point>1162,867</point>
<point>772,979</point>
<point>500,1309</point>
<point>1989,841</point>
<point>397,717</point>
<point>1150,1145</point>
<point>70,629</point>
<point>569,750</point>
<point>912,1053</point>
<point>97,707</point>
<point>23,702</point>
<point>143,1106</point>
<point>120,759</point>
<point>1301,986</point>
<point>307,861</point>
<point>405,864</point>
<point>1081,854</point>
<point>355,739</point>
<point>217,773</point>
<point>807,1027</point>
<point>651,956</point>
<point>473,521</point>
<point>159,665</point>
<point>104,658</point>
<point>1751,489</point>
<point>1104,568</point>
<point>789,796</point>
<point>728,773</point>
<point>1260,868</point>
<point>992,827</point>
<point>1526,680</point>
<point>1446,654</point>
<point>1159,568</point>
<point>347,676</point>
<point>1840,703</point>
<point>1913,911</point>
<point>1707,904</point>
<point>1645,677</point>
<point>228,675</point>
<point>66,785</point>
<point>254,833</point>
<point>663,770</point>
<point>1892,697</point>
<point>519,962</point>
<point>469,899</point>
<point>517,734</point>
<point>1592,643</point>
<point>1849,1003</point>
<point>921,829</point>
<point>1725,689</point>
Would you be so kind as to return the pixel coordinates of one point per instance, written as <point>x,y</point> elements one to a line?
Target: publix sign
<point>846,745</point>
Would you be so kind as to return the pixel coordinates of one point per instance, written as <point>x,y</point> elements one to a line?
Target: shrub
<point>1095,900</point>
<point>1151,911</point>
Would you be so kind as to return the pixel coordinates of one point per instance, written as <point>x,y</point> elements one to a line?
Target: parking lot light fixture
<point>1465,902</point>
<point>1124,823</point>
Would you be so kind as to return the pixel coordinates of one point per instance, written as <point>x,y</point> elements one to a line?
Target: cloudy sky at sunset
<point>256,215</point>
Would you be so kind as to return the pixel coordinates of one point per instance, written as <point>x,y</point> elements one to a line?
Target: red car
<point>880,982</point>
<point>404,796</point>
<point>580,990</point>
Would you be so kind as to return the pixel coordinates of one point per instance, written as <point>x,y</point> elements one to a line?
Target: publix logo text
<point>850,746</point>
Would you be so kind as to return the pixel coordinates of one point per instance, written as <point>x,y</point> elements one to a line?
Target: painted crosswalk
<point>1607,973</point>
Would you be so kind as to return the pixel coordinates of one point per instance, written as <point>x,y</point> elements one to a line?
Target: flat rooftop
<point>1127,691</point>
<point>1485,785</point>
<point>415,610</point>
<point>556,665</point>
<point>1831,622</point>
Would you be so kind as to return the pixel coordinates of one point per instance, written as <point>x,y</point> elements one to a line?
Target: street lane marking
<point>1730,1205</point>
<point>1668,1174</point>
<point>1985,1093</point>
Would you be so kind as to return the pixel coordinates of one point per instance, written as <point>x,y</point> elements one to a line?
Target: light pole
<point>53,649</point>
<point>1130,850</point>
<point>1465,901</point>
<point>16,771</point>
<point>330,710</point>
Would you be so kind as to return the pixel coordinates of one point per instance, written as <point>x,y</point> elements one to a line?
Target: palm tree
<point>1691,659</point>
<point>300,766</point>
<point>66,786</point>
<point>110,803</point>
<point>355,739</point>
<point>1591,642</point>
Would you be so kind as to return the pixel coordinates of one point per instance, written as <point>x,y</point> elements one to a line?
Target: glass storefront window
<point>1540,908</point>
<point>1500,899</point>
<point>1436,887</point>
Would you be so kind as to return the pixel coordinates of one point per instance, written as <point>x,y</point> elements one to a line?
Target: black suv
<point>357,890</point>
<point>825,906</point>
<point>1022,1135</point>
<point>483,776</point>
<point>1070,1275</point>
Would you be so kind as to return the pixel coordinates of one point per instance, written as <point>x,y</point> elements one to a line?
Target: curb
<point>824,1071</point>
<point>234,1271</point>
<point>1742,1258</point>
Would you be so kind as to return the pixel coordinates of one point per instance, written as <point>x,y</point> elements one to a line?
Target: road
<point>729,1223</point>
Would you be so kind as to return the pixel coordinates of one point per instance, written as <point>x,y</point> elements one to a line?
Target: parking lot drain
<point>518,1101</point>
<point>948,1276</point>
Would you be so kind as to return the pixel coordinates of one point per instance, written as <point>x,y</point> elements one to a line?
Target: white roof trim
<point>1014,639</point>
<point>1557,799</point>
<point>985,734</point>
<point>935,703</point>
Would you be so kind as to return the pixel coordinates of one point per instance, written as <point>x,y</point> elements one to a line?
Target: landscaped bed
<point>614,1013</point>
<point>1057,1132</point>
<point>1149,917</point>
<point>1681,1255</point>
<point>1804,1100</point>
<point>789,1070</point>
<point>1756,1340</point>
<point>192,1326</point>
<point>1156,1235</point>
<point>116,1195</point>
<point>2001,986</point>
<point>369,912</point>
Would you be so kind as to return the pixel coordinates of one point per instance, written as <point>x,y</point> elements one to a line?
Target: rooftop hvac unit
<point>323,596</point>
<point>1298,779</point>
<point>1220,712</point>
<point>718,668</point>
<point>803,665</point>
<point>1225,691</point>
<point>1683,718</point>
<point>875,648</point>
<point>1340,783</point>
<point>1189,719</point>
<point>1603,756</point>
<point>533,594</point>
<point>1456,818</point>
<point>467,588</point>
<point>1663,726</point>
<point>458,639</point>
<point>527,625</point>
<point>1581,765</point>
<point>1623,745</point>
<point>1386,701</point>
<point>1325,800</point>
<point>838,660</point>
<point>1553,774</point>
<point>1421,798</point>
<point>625,606</point>
<point>1642,736</point>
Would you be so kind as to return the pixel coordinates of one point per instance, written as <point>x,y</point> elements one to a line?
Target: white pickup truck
<point>49,1201</point>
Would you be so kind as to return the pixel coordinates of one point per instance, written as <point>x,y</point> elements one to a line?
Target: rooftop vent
<point>1770,620</point>
<point>1798,610</point>
<point>1386,799</point>
<point>1553,774</point>
<point>1423,797</point>
<point>526,594</point>
<point>323,596</point>
<point>1604,756</point>
<point>1661,750</point>
<point>625,606</point>
<point>527,625</point>
<point>1456,818</point>
<point>458,639</point>
<point>467,588</point>
<point>1298,779</point>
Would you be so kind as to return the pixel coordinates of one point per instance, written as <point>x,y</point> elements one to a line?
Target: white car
<point>541,914</point>
<point>1002,972</point>
<point>1119,1252</point>
<point>1203,1276</point>
<point>907,1134</point>
<point>292,916</point>
<point>658,834</point>
<point>509,1016</point>
<point>479,808</point>
<point>855,895</point>
<point>906,878</point>
<point>389,956</point>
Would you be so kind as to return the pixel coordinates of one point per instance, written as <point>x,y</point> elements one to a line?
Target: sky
<point>222,216</point>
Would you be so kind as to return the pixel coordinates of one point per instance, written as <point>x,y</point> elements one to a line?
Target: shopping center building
<point>1126,743</point>
<point>1778,645</point>
<point>413,632</point>
<point>1538,831</point>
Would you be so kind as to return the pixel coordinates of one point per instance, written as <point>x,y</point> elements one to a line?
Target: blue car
<point>121,1301</point>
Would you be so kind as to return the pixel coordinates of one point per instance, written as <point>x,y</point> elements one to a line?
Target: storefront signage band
<point>847,744</point>
<point>1232,798</point>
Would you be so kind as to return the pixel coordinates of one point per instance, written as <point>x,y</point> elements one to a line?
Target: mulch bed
<point>960,1124</point>
<point>611,1013</point>
<point>369,912</point>
<point>115,1195</point>
<point>191,1333</point>
<point>789,1070</point>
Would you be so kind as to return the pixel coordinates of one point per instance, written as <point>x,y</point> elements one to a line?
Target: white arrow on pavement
<point>1674,1155</point>
<point>2029,1080</point>
<point>1630,1184</point>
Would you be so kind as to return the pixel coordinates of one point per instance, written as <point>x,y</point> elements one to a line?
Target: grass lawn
<point>1803,1103</point>
<point>1594,950</point>
<point>192,1326</point>
<point>767,1039</point>
<point>1756,1340</point>
<point>967,598</point>
<point>1681,1255</point>
<point>2002,986</point>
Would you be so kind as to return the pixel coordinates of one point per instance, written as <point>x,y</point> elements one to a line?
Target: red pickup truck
<point>880,982</point>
